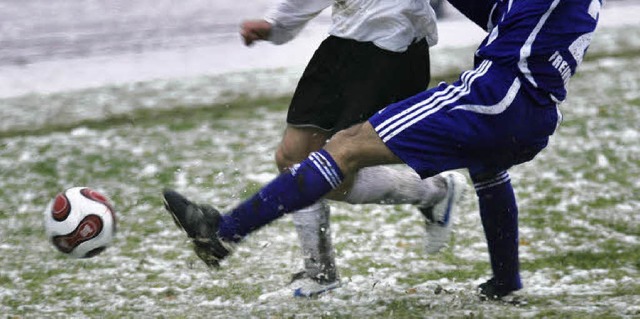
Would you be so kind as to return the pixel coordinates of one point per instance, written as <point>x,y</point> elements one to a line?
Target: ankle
<point>496,288</point>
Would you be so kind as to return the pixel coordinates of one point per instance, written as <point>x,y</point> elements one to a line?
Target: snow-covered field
<point>131,133</point>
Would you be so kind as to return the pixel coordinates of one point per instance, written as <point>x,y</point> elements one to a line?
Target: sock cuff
<point>317,206</point>
<point>327,166</point>
<point>500,178</point>
<point>312,216</point>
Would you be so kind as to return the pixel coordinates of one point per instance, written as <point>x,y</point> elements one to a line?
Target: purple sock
<point>499,214</point>
<point>299,187</point>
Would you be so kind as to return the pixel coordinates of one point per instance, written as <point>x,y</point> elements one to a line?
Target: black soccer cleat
<point>200,222</point>
<point>494,290</point>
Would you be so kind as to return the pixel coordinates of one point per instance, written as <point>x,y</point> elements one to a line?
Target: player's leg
<point>428,148</point>
<point>312,223</point>
<point>445,128</point>
<point>395,77</point>
<point>497,201</point>
<point>314,232</point>
<point>401,186</point>
<point>436,197</point>
<point>526,125</point>
<point>214,235</point>
<point>420,129</point>
<point>297,143</point>
<point>338,89</point>
<point>312,115</point>
<point>375,79</point>
<point>499,215</point>
<point>362,91</point>
<point>486,123</point>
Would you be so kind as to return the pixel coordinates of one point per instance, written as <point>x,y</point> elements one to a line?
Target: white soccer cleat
<point>439,217</point>
<point>303,286</point>
<point>309,288</point>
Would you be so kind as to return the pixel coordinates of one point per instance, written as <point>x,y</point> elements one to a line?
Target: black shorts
<point>347,81</point>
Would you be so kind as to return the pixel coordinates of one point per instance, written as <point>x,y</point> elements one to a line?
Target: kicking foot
<point>200,222</point>
<point>439,217</point>
<point>494,290</point>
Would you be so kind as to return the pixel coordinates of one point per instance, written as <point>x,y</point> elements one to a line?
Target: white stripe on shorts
<point>431,105</point>
<point>496,108</point>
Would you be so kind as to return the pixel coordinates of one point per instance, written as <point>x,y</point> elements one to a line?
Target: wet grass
<point>578,201</point>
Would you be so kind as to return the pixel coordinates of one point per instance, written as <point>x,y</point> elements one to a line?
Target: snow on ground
<point>149,272</point>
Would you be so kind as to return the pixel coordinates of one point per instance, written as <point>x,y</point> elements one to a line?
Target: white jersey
<point>390,24</point>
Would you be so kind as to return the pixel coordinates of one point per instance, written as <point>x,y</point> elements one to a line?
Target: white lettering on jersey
<point>562,66</point>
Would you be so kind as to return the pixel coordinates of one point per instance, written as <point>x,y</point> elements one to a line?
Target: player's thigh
<point>357,147</point>
<point>297,143</point>
<point>317,100</point>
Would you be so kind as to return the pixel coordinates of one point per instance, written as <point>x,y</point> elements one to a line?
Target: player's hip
<point>488,95</point>
<point>485,111</point>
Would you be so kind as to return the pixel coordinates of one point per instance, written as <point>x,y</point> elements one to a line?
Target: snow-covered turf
<point>579,203</point>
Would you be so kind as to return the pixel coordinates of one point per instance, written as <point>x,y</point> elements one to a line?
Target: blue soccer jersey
<point>543,40</point>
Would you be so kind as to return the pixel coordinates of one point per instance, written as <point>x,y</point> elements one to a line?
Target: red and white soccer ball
<point>80,222</point>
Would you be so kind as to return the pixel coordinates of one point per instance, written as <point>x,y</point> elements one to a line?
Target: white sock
<point>314,233</point>
<point>394,185</point>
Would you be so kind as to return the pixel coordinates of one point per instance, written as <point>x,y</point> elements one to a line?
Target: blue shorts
<point>485,122</point>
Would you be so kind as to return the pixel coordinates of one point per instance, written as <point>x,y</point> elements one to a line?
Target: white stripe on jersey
<point>594,9</point>
<point>525,51</point>
<point>500,178</point>
<point>489,21</point>
<point>431,105</point>
<point>496,108</point>
<point>579,47</point>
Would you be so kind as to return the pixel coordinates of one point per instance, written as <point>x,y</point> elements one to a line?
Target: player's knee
<point>346,147</point>
<point>296,145</point>
<point>348,136</point>
<point>285,157</point>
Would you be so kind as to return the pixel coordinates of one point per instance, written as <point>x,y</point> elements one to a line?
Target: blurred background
<point>53,45</point>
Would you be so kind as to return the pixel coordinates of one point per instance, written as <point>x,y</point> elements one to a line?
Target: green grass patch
<point>576,215</point>
<point>178,118</point>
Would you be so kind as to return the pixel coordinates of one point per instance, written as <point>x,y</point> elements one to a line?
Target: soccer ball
<point>80,222</point>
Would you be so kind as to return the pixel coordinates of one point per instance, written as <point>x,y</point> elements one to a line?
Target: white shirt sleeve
<point>288,17</point>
